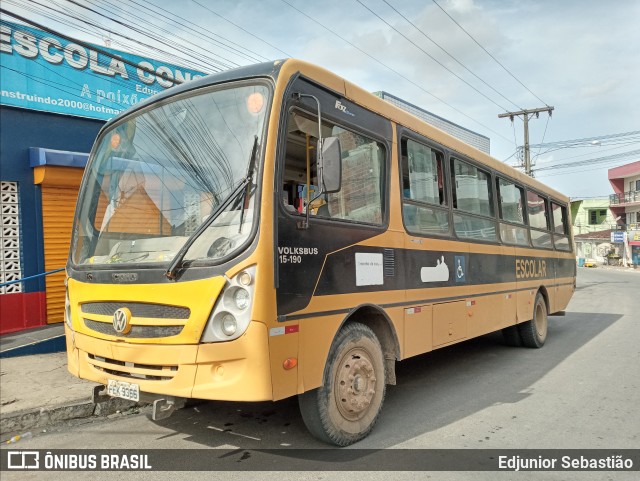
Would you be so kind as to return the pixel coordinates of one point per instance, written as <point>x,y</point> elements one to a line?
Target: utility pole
<point>526,115</point>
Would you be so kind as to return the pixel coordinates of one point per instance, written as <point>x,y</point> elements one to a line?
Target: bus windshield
<point>157,176</point>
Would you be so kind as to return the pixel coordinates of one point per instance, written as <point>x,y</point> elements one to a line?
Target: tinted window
<point>471,189</point>
<point>363,166</point>
<point>423,189</point>
<point>472,227</point>
<point>422,174</point>
<point>510,197</point>
<point>559,219</point>
<point>560,227</point>
<point>511,234</point>
<point>537,211</point>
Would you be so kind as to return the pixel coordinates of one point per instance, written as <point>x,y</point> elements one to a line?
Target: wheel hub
<point>356,384</point>
<point>540,321</point>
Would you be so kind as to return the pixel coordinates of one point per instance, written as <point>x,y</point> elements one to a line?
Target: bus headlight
<point>67,310</point>
<point>229,324</point>
<point>241,298</point>
<point>244,278</point>
<point>231,314</point>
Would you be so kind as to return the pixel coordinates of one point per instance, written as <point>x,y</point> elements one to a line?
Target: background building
<point>472,138</point>
<point>625,204</point>
<point>56,95</point>
<point>591,215</point>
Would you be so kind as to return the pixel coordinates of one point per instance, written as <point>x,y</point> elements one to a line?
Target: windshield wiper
<point>245,183</point>
<point>249,177</point>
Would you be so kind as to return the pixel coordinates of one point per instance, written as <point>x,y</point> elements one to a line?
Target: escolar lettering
<point>531,268</point>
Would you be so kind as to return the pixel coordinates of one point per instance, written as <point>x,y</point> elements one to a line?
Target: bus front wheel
<point>345,408</point>
<point>534,332</point>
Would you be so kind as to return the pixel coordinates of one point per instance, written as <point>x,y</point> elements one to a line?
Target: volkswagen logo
<point>121,320</point>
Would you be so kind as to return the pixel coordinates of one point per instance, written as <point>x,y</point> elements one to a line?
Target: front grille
<point>136,332</point>
<point>138,309</point>
<point>147,372</point>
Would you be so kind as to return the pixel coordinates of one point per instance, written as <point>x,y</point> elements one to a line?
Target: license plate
<point>124,390</point>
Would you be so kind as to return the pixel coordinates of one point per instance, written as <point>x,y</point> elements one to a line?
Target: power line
<point>97,31</point>
<point>395,71</point>
<point>599,150</point>
<point>209,35</point>
<point>243,29</point>
<point>146,33</point>
<point>583,197</point>
<point>544,134</point>
<point>116,80</point>
<point>61,87</point>
<point>526,114</point>
<point>448,53</point>
<point>598,140</point>
<point>555,174</point>
<point>431,56</point>
<point>193,56</point>
<point>596,160</point>
<point>136,41</point>
<point>84,44</point>
<point>489,54</point>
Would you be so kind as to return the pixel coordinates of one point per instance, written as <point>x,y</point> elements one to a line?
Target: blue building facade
<point>56,95</point>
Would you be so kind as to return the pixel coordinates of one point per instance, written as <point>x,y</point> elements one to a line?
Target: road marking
<point>244,436</point>
<point>231,432</point>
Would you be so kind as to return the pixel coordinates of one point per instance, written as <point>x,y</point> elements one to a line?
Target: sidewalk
<point>614,268</point>
<point>37,391</point>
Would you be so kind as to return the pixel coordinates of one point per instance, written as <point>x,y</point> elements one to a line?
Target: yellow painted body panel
<point>198,296</point>
<point>418,330</point>
<point>449,322</point>
<point>251,367</point>
<point>235,371</point>
<point>281,348</point>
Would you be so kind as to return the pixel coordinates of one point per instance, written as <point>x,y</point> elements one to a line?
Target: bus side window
<point>363,172</point>
<point>511,211</point>
<point>560,227</point>
<point>538,214</point>
<point>473,216</point>
<point>300,153</point>
<point>423,189</point>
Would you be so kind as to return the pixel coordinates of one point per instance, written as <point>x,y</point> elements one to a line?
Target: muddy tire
<point>346,407</point>
<point>534,332</point>
<point>511,336</point>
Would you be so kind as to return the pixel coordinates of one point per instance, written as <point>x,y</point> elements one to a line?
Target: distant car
<point>590,263</point>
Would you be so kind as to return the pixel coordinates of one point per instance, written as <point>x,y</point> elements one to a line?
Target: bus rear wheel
<point>534,332</point>
<point>346,407</point>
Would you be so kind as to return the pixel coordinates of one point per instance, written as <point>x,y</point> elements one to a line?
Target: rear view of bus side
<point>276,231</point>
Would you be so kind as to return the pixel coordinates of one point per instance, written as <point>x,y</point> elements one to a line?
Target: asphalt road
<point>581,391</point>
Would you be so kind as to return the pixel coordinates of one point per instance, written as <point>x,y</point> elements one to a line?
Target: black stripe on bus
<point>419,302</point>
<point>412,269</point>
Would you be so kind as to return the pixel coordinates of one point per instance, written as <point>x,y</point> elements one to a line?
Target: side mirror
<point>330,165</point>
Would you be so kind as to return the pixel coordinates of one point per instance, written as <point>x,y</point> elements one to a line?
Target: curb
<point>20,421</point>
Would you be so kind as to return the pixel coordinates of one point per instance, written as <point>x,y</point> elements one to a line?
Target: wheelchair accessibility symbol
<point>460,269</point>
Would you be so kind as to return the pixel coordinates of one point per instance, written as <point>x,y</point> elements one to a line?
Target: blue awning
<point>39,156</point>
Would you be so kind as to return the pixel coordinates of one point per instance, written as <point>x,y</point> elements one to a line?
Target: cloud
<point>600,90</point>
<point>461,6</point>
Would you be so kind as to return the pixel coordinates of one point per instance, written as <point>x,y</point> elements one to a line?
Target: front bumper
<point>237,370</point>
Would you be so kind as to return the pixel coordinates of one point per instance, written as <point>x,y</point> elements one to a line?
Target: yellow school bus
<point>277,231</point>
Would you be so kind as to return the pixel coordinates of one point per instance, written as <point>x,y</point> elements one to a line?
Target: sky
<point>579,56</point>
